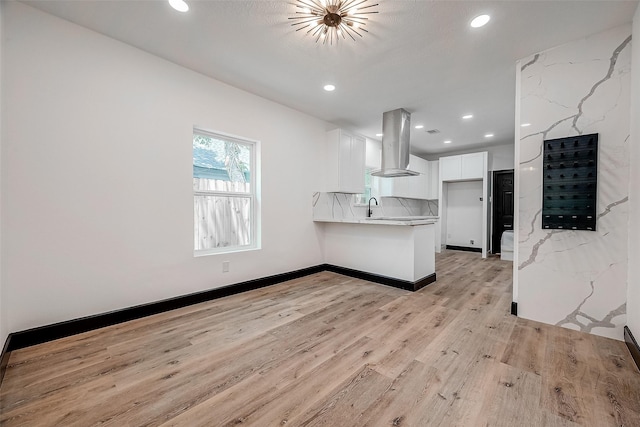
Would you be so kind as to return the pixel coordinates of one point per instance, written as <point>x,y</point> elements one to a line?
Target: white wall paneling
<point>97,174</point>
<point>4,332</point>
<point>633,291</point>
<point>576,279</point>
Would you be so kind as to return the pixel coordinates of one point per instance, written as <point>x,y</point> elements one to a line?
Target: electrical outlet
<point>472,242</point>
<point>225,266</point>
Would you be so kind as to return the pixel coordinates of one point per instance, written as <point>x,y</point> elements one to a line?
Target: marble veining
<point>339,206</point>
<point>531,62</point>
<point>576,279</point>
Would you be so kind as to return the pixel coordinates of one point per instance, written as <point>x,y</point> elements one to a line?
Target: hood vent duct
<point>396,126</point>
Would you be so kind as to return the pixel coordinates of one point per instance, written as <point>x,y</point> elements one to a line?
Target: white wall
<point>501,157</point>
<point>633,291</point>
<point>464,213</point>
<point>96,174</point>
<point>576,279</point>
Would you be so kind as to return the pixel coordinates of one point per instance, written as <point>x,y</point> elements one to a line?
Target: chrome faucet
<point>370,212</point>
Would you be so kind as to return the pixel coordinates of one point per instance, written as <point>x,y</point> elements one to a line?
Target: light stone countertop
<point>392,220</point>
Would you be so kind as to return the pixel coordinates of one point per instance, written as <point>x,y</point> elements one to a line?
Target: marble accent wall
<point>576,279</point>
<point>341,206</point>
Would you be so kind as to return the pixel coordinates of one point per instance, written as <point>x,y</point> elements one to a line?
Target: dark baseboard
<point>384,280</point>
<point>514,308</point>
<point>632,345</point>
<point>4,357</point>
<point>55,331</point>
<point>29,337</point>
<point>463,248</point>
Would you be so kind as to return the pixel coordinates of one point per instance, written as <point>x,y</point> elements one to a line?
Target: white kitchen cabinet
<point>463,167</point>
<point>410,187</point>
<point>472,166</point>
<point>450,168</point>
<point>346,162</point>
<point>433,184</point>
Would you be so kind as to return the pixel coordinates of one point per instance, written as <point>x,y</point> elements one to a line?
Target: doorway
<point>502,207</point>
<point>464,215</point>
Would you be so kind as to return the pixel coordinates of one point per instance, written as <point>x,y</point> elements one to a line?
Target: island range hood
<point>396,126</point>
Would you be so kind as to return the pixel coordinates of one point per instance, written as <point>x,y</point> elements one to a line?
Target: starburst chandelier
<point>328,20</point>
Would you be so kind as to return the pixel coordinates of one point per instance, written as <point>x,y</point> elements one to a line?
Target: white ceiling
<point>419,55</point>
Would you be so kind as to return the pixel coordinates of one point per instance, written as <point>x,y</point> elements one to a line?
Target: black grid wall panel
<point>570,183</point>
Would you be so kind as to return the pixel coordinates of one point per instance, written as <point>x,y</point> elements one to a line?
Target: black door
<point>502,206</point>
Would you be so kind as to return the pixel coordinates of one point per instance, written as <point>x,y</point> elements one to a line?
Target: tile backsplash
<point>342,206</point>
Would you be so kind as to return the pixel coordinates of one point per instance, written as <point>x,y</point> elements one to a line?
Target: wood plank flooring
<point>329,350</point>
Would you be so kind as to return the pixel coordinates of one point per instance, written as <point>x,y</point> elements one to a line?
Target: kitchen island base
<point>383,280</point>
<point>403,254</point>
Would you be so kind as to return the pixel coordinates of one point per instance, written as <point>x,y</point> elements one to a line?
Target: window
<point>363,199</point>
<point>224,193</point>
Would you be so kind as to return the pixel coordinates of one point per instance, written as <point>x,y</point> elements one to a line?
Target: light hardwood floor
<point>336,351</point>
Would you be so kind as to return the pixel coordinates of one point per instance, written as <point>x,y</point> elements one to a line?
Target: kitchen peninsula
<point>396,251</point>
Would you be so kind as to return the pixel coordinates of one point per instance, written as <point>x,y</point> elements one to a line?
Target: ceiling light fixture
<point>378,134</point>
<point>489,135</point>
<point>524,125</point>
<point>480,21</point>
<point>329,88</point>
<point>179,5</point>
<point>330,19</point>
<point>447,141</point>
<point>468,116</point>
<point>419,126</point>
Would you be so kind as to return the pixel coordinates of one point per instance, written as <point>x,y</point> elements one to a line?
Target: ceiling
<point>419,55</point>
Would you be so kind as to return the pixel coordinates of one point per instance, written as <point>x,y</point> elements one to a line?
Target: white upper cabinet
<point>451,168</point>
<point>411,187</point>
<point>473,165</point>
<point>346,162</point>
<point>434,180</point>
<point>463,167</point>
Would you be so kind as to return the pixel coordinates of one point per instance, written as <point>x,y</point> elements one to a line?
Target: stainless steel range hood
<point>396,126</point>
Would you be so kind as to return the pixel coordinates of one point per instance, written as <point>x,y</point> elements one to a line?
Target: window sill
<point>222,251</point>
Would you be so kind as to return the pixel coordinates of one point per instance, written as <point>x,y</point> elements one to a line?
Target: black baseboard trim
<point>463,248</point>
<point>632,345</point>
<point>55,331</point>
<point>39,335</point>
<point>384,280</point>
<point>4,357</point>
<point>514,308</point>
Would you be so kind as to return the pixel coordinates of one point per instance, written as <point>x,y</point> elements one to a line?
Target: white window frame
<point>253,195</point>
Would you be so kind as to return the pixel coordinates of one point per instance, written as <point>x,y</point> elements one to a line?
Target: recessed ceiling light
<point>179,5</point>
<point>489,135</point>
<point>329,88</point>
<point>467,116</point>
<point>419,126</point>
<point>447,141</point>
<point>480,21</point>
<point>378,134</point>
<point>524,125</point>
